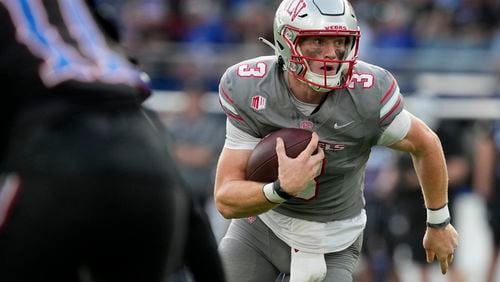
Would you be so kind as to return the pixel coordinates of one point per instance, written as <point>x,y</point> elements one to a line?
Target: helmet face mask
<point>296,20</point>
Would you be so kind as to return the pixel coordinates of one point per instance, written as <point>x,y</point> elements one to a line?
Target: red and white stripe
<point>227,104</point>
<point>390,101</point>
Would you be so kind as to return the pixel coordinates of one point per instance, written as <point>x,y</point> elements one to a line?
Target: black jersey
<point>90,190</point>
<point>53,52</point>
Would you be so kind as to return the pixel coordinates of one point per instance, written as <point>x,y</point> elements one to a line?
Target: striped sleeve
<point>227,103</point>
<point>391,104</point>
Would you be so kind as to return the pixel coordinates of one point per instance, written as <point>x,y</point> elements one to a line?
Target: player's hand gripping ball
<point>262,165</point>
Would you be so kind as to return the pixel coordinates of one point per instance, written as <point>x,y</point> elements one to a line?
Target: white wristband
<point>438,216</point>
<point>271,194</point>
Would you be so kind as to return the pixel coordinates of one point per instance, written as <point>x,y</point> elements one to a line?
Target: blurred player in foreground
<point>310,222</point>
<point>88,190</point>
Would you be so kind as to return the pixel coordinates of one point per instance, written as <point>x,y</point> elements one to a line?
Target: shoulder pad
<point>237,86</point>
<point>377,92</point>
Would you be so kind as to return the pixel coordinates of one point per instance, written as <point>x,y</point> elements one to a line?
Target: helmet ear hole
<point>280,46</point>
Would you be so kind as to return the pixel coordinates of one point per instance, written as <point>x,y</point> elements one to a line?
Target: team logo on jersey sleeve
<point>258,103</point>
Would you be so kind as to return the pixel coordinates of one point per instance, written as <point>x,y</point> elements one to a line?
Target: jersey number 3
<point>258,70</point>
<point>365,79</point>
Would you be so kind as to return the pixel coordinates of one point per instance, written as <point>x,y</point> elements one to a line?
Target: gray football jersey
<point>256,99</point>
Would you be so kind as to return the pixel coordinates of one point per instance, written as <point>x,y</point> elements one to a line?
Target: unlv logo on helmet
<point>295,7</point>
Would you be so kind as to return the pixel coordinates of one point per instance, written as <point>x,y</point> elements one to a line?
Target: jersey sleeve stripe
<point>228,111</point>
<point>390,103</point>
<point>226,102</point>
<point>227,106</point>
<point>386,95</point>
<point>225,95</point>
<point>390,113</point>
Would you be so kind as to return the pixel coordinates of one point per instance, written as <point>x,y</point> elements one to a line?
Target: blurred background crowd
<point>445,55</point>
<point>196,40</point>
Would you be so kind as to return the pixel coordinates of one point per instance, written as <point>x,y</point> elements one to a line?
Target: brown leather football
<point>262,165</point>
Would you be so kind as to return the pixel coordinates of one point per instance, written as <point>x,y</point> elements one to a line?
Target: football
<point>262,165</point>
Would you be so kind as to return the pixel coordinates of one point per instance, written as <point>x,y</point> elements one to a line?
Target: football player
<point>309,222</point>
<point>88,191</point>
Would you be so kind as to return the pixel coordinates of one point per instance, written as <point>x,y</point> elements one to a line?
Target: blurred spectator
<point>457,139</point>
<point>406,219</point>
<point>495,54</point>
<point>380,177</point>
<point>253,19</point>
<point>397,222</point>
<point>394,30</point>
<point>207,27</point>
<point>432,25</point>
<point>487,184</point>
<point>198,139</point>
<point>143,22</point>
<point>210,31</point>
<point>474,19</point>
<point>206,23</point>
